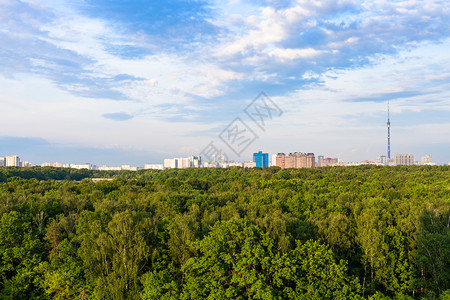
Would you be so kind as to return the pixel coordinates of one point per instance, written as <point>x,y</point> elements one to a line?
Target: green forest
<point>363,232</point>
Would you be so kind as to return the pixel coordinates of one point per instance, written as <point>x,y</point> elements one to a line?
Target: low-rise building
<point>381,160</point>
<point>154,166</point>
<point>107,168</point>
<point>25,164</point>
<point>129,168</point>
<point>82,166</point>
<point>249,164</point>
<point>328,161</point>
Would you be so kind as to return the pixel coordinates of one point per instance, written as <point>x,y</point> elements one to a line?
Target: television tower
<point>389,136</point>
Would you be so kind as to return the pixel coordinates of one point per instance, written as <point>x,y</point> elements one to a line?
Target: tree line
<point>362,232</point>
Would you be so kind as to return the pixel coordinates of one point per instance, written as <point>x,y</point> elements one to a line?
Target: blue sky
<point>115,82</point>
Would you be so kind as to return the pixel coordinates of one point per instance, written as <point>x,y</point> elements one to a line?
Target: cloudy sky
<point>115,82</point>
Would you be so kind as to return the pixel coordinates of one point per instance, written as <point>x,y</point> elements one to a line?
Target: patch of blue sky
<point>175,21</point>
<point>120,116</point>
<point>38,150</point>
<point>422,117</point>
<point>127,51</point>
<point>277,4</point>
<point>404,118</point>
<point>388,96</point>
<point>97,92</point>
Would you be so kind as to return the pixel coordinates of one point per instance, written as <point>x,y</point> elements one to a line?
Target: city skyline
<point>260,159</point>
<point>135,83</point>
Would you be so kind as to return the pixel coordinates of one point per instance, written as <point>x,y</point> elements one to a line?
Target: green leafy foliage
<point>324,233</point>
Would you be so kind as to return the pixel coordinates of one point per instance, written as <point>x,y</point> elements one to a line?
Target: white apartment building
<point>12,161</point>
<point>210,165</point>
<point>229,164</point>
<point>129,168</point>
<point>381,160</point>
<point>25,164</point>
<point>273,163</point>
<point>170,163</point>
<point>154,167</point>
<point>83,166</point>
<point>403,159</point>
<point>107,168</point>
<point>249,164</point>
<point>2,161</point>
<point>426,160</point>
<point>182,163</point>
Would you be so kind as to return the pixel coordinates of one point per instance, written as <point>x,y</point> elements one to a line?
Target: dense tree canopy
<point>325,233</point>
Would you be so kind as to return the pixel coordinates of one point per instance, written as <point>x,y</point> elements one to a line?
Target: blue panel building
<point>261,159</point>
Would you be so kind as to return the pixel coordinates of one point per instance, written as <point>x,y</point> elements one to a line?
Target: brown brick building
<point>295,160</point>
<point>324,162</point>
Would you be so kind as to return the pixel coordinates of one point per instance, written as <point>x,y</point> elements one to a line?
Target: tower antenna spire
<point>388,136</point>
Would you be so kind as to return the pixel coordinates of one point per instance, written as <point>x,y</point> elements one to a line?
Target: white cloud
<point>290,54</point>
<point>346,50</point>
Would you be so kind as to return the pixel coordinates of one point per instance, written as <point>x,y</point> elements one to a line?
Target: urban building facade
<point>182,163</point>
<point>273,163</point>
<point>327,161</point>
<point>295,160</point>
<point>403,159</point>
<point>261,159</point>
<point>83,166</point>
<point>319,160</point>
<point>229,164</point>
<point>154,167</point>
<point>381,160</point>
<point>248,164</point>
<point>25,164</point>
<point>426,160</point>
<point>2,161</point>
<point>12,161</point>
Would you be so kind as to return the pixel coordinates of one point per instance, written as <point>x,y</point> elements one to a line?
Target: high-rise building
<point>170,163</point>
<point>319,160</point>
<point>2,161</point>
<point>426,160</point>
<point>403,159</point>
<point>12,161</point>
<point>182,163</point>
<point>295,160</point>
<point>261,159</point>
<point>274,160</point>
<point>381,160</point>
